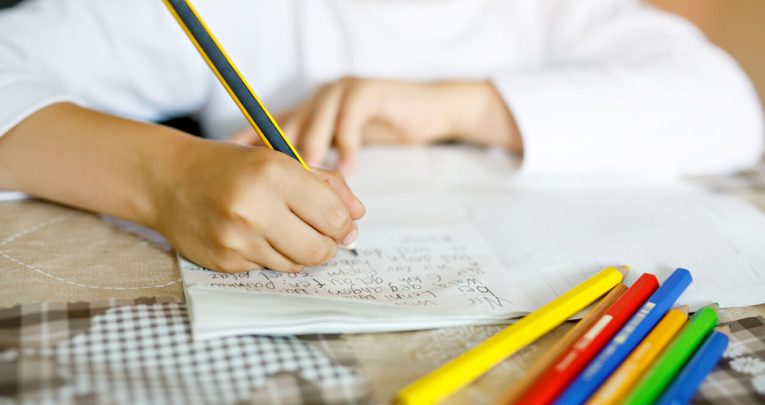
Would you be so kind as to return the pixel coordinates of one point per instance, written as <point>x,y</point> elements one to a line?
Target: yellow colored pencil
<point>573,334</point>
<point>616,388</point>
<point>465,368</point>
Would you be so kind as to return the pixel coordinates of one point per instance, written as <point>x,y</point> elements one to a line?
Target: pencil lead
<point>351,247</point>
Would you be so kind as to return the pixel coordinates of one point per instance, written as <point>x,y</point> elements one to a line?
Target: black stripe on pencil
<point>230,77</point>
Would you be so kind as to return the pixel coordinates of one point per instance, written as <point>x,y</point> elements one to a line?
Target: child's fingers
<point>319,129</point>
<point>300,243</point>
<point>269,257</point>
<point>290,122</point>
<point>231,263</point>
<point>319,206</point>
<point>379,132</point>
<point>284,116</point>
<point>337,182</point>
<point>355,111</point>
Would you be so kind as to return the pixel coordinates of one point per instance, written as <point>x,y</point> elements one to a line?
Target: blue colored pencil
<point>627,339</point>
<point>682,390</point>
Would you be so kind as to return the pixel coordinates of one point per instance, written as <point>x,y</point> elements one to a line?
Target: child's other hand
<point>350,112</point>
<point>234,209</point>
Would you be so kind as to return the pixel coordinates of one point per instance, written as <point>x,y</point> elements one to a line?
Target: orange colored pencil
<point>616,388</point>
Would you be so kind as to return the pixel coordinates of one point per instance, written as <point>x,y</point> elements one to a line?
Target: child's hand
<point>234,209</point>
<point>350,112</point>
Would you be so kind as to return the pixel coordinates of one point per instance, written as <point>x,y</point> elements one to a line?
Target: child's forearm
<point>90,160</point>
<point>227,207</point>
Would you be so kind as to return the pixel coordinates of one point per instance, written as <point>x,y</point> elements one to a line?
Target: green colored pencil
<point>674,357</point>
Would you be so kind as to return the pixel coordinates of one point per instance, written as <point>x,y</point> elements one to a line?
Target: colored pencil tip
<point>355,252</point>
<point>725,329</point>
<point>623,269</point>
<point>685,308</point>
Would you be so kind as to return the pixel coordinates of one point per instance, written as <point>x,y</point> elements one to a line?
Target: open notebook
<point>473,246</point>
<point>435,275</point>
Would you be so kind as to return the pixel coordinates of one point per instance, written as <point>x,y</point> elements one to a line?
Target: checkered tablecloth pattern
<point>141,352</point>
<point>740,376</point>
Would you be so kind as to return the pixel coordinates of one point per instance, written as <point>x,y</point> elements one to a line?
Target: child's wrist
<point>463,104</point>
<point>478,114</point>
<point>167,162</point>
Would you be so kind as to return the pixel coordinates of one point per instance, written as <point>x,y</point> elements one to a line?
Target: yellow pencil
<point>616,388</point>
<point>550,355</point>
<point>460,371</point>
<point>232,80</point>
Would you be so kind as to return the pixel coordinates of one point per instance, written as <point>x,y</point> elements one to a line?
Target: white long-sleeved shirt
<point>601,85</point>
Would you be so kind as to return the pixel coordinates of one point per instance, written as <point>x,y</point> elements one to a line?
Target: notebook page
<point>552,232</point>
<point>424,265</point>
<point>552,241</point>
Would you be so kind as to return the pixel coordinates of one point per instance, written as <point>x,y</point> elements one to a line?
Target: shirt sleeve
<point>127,58</point>
<point>623,87</point>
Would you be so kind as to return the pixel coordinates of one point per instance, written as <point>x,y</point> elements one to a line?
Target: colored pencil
<point>560,346</point>
<point>556,378</point>
<point>628,374</point>
<point>627,339</point>
<point>465,368</point>
<point>682,390</point>
<point>658,377</point>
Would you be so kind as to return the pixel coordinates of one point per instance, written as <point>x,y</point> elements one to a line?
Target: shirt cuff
<point>21,98</point>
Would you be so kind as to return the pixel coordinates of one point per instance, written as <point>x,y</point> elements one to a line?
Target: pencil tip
<point>623,269</point>
<point>685,308</point>
<point>725,329</point>
<point>350,248</point>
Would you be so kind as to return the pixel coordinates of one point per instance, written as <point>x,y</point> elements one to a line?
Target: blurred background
<point>738,26</point>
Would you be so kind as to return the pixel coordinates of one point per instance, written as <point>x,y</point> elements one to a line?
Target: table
<point>53,253</point>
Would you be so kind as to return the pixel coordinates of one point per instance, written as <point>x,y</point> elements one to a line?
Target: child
<point>571,86</point>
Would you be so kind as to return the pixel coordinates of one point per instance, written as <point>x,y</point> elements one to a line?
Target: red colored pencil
<point>561,372</point>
